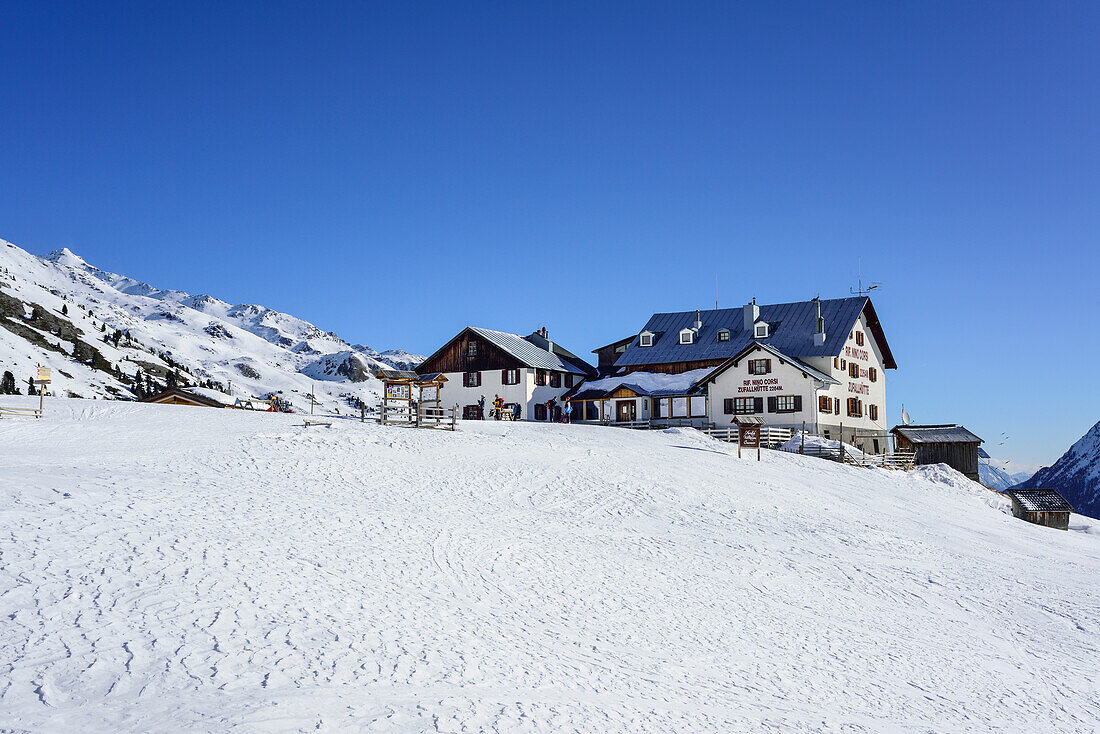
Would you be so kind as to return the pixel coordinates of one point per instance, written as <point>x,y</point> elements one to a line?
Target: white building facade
<point>531,372</point>
<point>815,364</point>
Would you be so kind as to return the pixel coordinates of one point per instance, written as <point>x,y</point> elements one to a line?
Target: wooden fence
<point>20,412</point>
<point>769,435</point>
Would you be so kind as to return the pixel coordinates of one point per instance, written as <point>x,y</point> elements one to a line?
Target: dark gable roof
<point>791,332</point>
<point>625,340</point>
<point>936,434</point>
<point>760,345</point>
<point>1039,500</point>
<point>532,351</point>
<point>190,397</point>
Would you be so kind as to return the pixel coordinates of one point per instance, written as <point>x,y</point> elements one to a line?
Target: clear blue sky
<point>395,171</point>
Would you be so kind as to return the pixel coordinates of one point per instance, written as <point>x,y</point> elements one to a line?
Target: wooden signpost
<point>749,438</point>
<point>748,434</point>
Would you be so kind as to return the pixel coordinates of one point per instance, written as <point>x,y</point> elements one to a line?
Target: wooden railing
<point>20,412</point>
<point>769,435</point>
<point>903,460</point>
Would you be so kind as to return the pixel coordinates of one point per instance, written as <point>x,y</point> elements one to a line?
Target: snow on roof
<point>648,383</point>
<point>1040,500</point>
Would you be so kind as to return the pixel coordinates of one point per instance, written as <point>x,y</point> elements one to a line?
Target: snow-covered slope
<point>1076,475</point>
<point>250,574</point>
<point>61,312</point>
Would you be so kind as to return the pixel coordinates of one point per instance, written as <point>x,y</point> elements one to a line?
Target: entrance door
<point>627,411</point>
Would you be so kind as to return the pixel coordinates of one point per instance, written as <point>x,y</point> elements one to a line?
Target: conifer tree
<point>30,386</point>
<point>64,309</point>
<point>7,384</point>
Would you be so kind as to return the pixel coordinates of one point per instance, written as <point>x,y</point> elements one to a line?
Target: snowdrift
<point>175,568</point>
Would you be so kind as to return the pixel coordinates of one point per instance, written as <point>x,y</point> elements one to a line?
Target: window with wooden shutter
<point>859,338</point>
<point>758,405</point>
<point>784,403</point>
<point>797,403</point>
<point>471,379</point>
<point>760,366</point>
<point>853,370</point>
<point>872,374</point>
<point>727,406</point>
<point>569,379</point>
<point>872,412</point>
<point>836,405</point>
<point>555,379</point>
<point>745,406</point>
<point>824,404</point>
<point>540,411</point>
<point>540,377</point>
<point>471,348</point>
<point>773,404</point>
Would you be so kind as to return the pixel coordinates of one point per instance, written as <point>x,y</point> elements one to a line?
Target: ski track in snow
<point>165,568</point>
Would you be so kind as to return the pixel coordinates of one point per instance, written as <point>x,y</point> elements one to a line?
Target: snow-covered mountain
<point>110,336</point>
<point>1001,474</point>
<point>1076,475</point>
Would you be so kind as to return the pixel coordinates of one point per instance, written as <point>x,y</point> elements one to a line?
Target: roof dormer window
<point>645,339</point>
<point>761,330</point>
<point>687,336</point>
<point>723,335</point>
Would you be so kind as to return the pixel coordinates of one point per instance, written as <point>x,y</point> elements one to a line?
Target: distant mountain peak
<point>65,256</point>
<point>1076,474</point>
<point>110,336</point>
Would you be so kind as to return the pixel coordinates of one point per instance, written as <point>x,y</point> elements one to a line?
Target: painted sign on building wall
<point>760,384</point>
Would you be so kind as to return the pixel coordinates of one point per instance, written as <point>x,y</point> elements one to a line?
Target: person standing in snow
<point>550,405</point>
<point>515,412</point>
<point>481,408</point>
<point>568,412</point>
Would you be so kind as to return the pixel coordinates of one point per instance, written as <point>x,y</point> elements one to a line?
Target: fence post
<point>802,448</point>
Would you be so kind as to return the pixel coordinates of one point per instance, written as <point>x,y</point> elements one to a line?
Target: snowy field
<point>188,569</point>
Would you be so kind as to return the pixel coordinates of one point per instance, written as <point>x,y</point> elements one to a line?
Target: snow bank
<point>173,568</point>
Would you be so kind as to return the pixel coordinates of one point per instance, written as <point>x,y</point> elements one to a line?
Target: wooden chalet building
<point>820,363</point>
<point>941,444</point>
<point>526,371</point>
<point>176,396</point>
<point>1040,506</point>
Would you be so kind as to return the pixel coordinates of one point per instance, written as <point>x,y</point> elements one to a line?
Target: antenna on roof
<point>715,290</point>
<point>859,289</point>
<point>905,416</point>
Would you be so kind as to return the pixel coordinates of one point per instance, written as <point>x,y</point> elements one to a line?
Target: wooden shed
<point>940,444</point>
<point>1040,506</point>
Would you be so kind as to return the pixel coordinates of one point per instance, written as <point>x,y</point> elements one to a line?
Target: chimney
<point>819,325</point>
<point>698,320</point>
<point>752,314</point>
